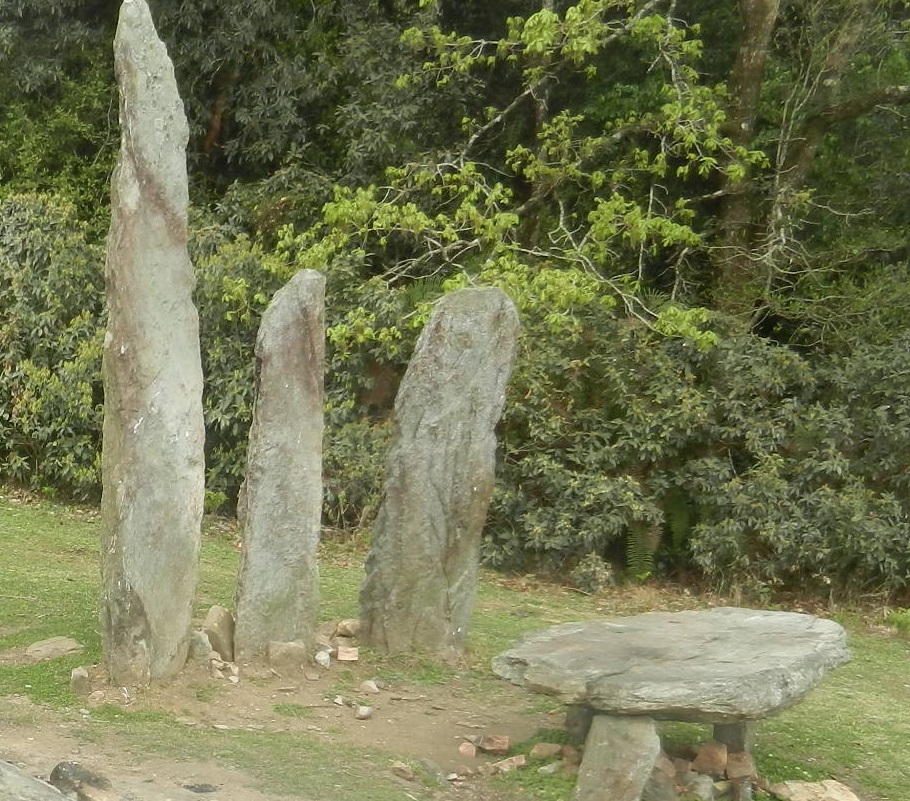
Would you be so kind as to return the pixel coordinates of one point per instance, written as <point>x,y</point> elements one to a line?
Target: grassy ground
<point>854,727</point>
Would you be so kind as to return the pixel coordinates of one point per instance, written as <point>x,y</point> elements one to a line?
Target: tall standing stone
<point>281,507</point>
<point>423,562</point>
<point>152,457</point>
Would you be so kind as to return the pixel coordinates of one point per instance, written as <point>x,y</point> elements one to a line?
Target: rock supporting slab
<point>619,758</point>
<point>721,666</point>
<point>152,460</point>
<point>423,561</point>
<point>281,506</point>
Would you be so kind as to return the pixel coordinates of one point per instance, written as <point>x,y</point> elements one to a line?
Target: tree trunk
<point>738,279</point>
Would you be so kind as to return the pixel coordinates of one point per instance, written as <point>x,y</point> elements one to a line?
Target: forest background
<point>700,209</point>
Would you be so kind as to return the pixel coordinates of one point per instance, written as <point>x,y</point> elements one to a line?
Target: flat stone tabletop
<point>723,665</point>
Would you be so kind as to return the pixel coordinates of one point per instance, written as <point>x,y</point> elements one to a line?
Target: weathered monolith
<point>152,457</point>
<point>281,504</point>
<point>423,561</point>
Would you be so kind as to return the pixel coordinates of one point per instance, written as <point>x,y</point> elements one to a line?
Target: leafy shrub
<point>51,329</point>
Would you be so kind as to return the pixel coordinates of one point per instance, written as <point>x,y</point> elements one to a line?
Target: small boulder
<point>54,648</point>
<point>219,628</point>
<point>828,790</point>
<point>740,765</point>
<point>80,683</point>
<point>200,648</point>
<point>17,785</point>
<point>545,751</point>
<point>510,764</point>
<point>494,744</point>
<point>286,657</point>
<point>347,628</point>
<point>659,787</point>
<point>403,771</point>
<point>75,780</point>
<point>711,759</point>
<point>468,750</point>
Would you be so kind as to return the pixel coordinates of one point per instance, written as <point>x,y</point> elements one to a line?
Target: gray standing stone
<point>152,459</point>
<point>619,759</point>
<point>281,505</point>
<point>423,562</point>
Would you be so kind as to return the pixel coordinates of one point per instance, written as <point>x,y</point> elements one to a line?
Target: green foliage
<point>51,328</point>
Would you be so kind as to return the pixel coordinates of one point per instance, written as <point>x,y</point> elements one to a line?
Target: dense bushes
<point>735,456</point>
<point>51,325</point>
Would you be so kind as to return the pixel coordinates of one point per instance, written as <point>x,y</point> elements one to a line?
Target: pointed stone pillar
<point>424,557</point>
<point>281,504</point>
<point>152,458</point>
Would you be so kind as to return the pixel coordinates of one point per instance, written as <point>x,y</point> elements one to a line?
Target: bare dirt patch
<point>421,724</point>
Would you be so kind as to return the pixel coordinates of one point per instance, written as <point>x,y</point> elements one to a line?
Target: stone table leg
<point>619,756</point>
<point>736,736</point>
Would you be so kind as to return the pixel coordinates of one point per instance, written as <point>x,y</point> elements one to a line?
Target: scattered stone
<point>494,744</point>
<point>828,790</point>
<point>421,572</point>
<point>369,686</point>
<point>338,700</point>
<point>347,654</point>
<point>468,749</point>
<point>323,658</point>
<point>545,751</point>
<point>741,790</point>
<point>17,785</point>
<point>153,456</point>
<point>200,788</point>
<point>287,657</point>
<point>200,648</point>
<point>219,628</point>
<point>551,769</point>
<point>665,765</point>
<point>659,787</point>
<point>363,712</point>
<point>700,786</point>
<point>452,777</point>
<point>74,779</point>
<point>403,771</point>
<point>740,765</point>
<point>510,764</point>
<point>97,696</point>
<point>80,682</point>
<point>711,759</point>
<point>571,755</point>
<point>53,648</point>
<point>280,508</point>
<point>349,627</point>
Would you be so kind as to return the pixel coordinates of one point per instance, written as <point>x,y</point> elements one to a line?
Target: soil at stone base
<point>422,725</point>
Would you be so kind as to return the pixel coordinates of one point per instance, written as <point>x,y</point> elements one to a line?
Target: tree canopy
<point>699,209</point>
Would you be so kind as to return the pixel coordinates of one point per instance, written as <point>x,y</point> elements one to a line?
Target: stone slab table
<point>727,666</point>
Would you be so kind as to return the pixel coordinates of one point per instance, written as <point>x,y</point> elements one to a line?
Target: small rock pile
<point>708,773</point>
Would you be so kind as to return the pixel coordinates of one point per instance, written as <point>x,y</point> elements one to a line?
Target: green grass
<point>853,727</point>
